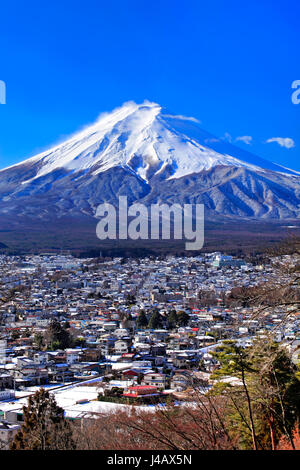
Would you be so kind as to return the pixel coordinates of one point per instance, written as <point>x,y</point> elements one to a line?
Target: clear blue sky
<point>228,63</point>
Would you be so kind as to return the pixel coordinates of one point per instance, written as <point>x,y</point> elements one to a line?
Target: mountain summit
<point>151,155</point>
<point>146,139</point>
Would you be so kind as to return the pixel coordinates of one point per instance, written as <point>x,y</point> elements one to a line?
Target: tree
<point>58,337</point>
<point>265,404</point>
<point>155,321</point>
<point>172,320</point>
<point>115,392</point>
<point>207,298</point>
<point>141,321</point>
<point>39,341</point>
<point>45,427</point>
<point>273,294</point>
<point>285,444</point>
<point>234,362</point>
<point>183,318</point>
<point>127,321</point>
<point>197,427</point>
<point>275,389</point>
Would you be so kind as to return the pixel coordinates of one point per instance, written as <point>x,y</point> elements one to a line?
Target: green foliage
<point>183,318</point>
<point>39,341</point>
<point>264,403</point>
<point>113,392</point>
<point>58,337</point>
<point>233,360</point>
<point>79,342</point>
<point>155,321</point>
<point>45,427</point>
<point>172,320</point>
<point>141,321</point>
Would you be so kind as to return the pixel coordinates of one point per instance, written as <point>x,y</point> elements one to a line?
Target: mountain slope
<point>150,155</point>
<point>235,192</point>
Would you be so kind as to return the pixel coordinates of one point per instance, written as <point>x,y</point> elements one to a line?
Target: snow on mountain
<point>149,155</point>
<point>147,140</point>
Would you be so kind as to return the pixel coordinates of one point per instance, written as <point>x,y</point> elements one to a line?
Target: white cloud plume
<point>247,139</point>
<point>184,118</point>
<point>286,142</point>
<point>227,137</point>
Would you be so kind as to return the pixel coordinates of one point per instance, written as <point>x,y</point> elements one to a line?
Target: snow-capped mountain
<point>148,154</point>
<point>148,140</point>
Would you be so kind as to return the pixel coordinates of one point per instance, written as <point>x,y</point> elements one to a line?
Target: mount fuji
<point>151,156</point>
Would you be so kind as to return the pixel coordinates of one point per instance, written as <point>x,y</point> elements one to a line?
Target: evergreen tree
<point>183,318</point>
<point>45,427</point>
<point>266,404</point>
<point>58,337</point>
<point>275,389</point>
<point>155,321</point>
<point>235,363</point>
<point>39,341</point>
<point>172,320</point>
<point>141,321</point>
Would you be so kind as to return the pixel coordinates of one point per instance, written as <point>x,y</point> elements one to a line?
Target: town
<point>106,333</point>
